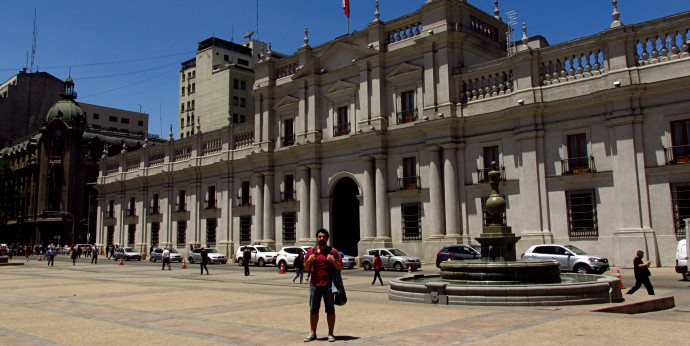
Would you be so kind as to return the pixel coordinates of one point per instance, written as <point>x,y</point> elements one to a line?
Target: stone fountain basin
<point>574,289</point>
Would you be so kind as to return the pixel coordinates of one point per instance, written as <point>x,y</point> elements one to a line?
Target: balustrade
<point>156,158</point>
<point>212,146</point>
<point>405,32</point>
<point>182,153</point>
<point>133,163</point>
<point>287,70</point>
<point>483,28</point>
<point>669,45</point>
<point>112,168</point>
<point>485,86</point>
<point>572,66</point>
<point>243,139</point>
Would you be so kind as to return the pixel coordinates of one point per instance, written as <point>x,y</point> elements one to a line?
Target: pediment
<point>286,102</point>
<point>340,55</point>
<point>341,89</point>
<point>405,71</point>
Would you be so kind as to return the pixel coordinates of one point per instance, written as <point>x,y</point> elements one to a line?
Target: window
<point>289,189</point>
<point>242,62</point>
<point>111,209</point>
<point>132,204</point>
<point>235,101</point>
<point>582,214</point>
<point>578,161</point>
<point>181,200</point>
<point>245,229</point>
<point>154,208</point>
<point>238,118</point>
<point>411,221</point>
<point>243,85</point>
<point>245,198</point>
<point>289,132</point>
<point>342,126</point>
<point>140,123</point>
<point>96,115</point>
<point>182,91</point>
<point>489,155</point>
<point>409,180</point>
<point>236,83</point>
<point>243,102</point>
<point>211,225</point>
<point>111,234</point>
<point>226,57</point>
<point>112,119</point>
<point>680,140</point>
<point>407,113</point>
<point>131,234</point>
<point>487,218</point>
<point>289,235</point>
<point>181,233</point>
<point>181,107</point>
<point>155,232</point>
<point>211,198</point>
<point>680,197</point>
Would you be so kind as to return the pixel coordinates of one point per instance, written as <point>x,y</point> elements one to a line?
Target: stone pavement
<point>142,305</point>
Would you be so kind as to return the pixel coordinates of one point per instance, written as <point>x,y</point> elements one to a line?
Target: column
<point>303,195</point>
<point>369,203</point>
<point>257,227</point>
<point>450,191</point>
<point>224,232</point>
<point>436,204</point>
<point>269,234</point>
<point>383,231</point>
<point>315,217</point>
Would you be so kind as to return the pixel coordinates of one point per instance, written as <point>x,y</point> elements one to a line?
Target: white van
<point>682,260</point>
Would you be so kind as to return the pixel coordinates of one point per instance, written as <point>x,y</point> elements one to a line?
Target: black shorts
<point>315,295</point>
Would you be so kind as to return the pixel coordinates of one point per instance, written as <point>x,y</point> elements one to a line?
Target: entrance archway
<point>345,216</point>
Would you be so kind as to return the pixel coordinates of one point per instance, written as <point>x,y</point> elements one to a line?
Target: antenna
<point>248,35</point>
<point>33,44</point>
<point>510,39</point>
<point>232,35</point>
<point>257,19</point>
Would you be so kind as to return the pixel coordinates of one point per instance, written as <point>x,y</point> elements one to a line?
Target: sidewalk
<point>140,304</point>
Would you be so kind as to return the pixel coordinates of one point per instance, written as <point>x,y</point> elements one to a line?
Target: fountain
<point>498,278</point>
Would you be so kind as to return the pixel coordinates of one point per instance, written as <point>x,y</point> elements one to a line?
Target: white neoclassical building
<point>384,137</point>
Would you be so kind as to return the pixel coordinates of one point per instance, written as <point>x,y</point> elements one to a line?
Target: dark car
<point>459,251</point>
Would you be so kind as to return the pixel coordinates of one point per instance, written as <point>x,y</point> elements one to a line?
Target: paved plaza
<point>139,304</point>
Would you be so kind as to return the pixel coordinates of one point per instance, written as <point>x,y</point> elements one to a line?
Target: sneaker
<point>331,338</point>
<point>310,337</point>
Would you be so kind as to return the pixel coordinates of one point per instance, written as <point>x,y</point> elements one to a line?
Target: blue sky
<point>127,54</point>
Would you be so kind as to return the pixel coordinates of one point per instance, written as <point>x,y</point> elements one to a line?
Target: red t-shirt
<point>321,269</point>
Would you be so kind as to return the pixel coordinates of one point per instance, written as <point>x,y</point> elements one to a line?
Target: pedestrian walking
<point>51,256</point>
<point>642,274</point>
<point>94,254</point>
<point>107,252</point>
<point>246,256</point>
<point>166,258</point>
<point>378,266</point>
<point>204,261</point>
<point>299,267</point>
<point>73,254</point>
<point>322,260</point>
<point>26,253</point>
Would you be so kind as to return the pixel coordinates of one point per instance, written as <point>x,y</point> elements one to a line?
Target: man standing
<point>246,256</point>
<point>204,260</point>
<point>166,258</point>
<point>94,254</point>
<point>321,261</point>
<point>51,256</point>
<point>642,274</point>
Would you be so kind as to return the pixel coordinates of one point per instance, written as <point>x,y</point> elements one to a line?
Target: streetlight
<point>45,215</point>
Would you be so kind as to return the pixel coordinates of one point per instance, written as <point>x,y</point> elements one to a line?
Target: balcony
<point>180,207</point>
<point>341,129</point>
<point>210,204</point>
<point>407,116</point>
<point>676,155</point>
<point>154,210</point>
<point>409,183</point>
<point>243,201</point>
<point>483,174</point>
<point>287,196</point>
<point>578,165</point>
<point>131,212</point>
<point>288,140</point>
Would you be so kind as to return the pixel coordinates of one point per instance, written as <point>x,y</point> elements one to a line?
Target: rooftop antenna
<point>232,35</point>
<point>33,44</point>
<point>257,20</point>
<point>510,35</point>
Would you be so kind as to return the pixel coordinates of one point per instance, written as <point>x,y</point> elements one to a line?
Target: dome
<point>66,110</point>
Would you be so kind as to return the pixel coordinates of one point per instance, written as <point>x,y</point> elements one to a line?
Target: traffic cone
<point>121,262</point>
<point>282,269</point>
<point>618,276</point>
<point>184,264</point>
<point>409,269</point>
<point>39,258</point>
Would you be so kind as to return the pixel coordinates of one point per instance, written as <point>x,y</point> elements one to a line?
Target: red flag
<point>346,8</point>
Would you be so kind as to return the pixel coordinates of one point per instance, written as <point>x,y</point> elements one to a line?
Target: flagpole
<point>348,25</point>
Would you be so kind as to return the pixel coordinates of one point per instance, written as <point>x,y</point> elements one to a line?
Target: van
<point>682,260</point>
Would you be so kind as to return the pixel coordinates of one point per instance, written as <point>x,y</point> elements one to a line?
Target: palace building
<point>385,136</point>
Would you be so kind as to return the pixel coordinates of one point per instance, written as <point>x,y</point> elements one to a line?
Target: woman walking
<point>299,267</point>
<point>378,266</point>
<point>73,255</point>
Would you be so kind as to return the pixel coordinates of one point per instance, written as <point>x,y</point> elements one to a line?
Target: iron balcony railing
<point>578,165</point>
<point>341,129</point>
<point>410,183</point>
<point>678,154</point>
<point>154,210</point>
<point>407,116</point>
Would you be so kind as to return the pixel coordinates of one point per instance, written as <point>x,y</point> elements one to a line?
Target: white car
<point>214,256</point>
<point>682,260</point>
<point>286,255</point>
<point>261,255</point>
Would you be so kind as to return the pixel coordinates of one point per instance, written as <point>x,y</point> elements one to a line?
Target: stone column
<point>315,217</point>
<point>257,227</point>
<point>369,202</point>
<point>269,234</point>
<point>383,231</point>
<point>450,192</point>
<point>303,196</point>
<point>225,200</point>
<point>437,219</point>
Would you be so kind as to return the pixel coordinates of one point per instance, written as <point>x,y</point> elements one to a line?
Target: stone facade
<point>383,136</point>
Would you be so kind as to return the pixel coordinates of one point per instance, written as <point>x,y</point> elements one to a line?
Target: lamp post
<point>45,212</point>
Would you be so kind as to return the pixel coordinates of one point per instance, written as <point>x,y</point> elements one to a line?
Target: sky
<point>126,54</point>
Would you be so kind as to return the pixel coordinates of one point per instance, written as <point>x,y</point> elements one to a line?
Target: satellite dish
<point>248,35</point>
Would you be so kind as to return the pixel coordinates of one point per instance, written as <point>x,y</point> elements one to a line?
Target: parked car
<point>261,255</point>
<point>157,255</point>
<point>348,261</point>
<point>214,256</point>
<point>126,253</point>
<point>286,256</point>
<point>459,252</point>
<point>3,249</point>
<point>570,258</point>
<point>391,258</point>
<point>682,260</point>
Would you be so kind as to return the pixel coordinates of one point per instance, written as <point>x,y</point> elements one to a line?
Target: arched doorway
<point>345,216</point>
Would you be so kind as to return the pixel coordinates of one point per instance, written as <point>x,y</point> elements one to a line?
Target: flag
<point>346,8</point>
